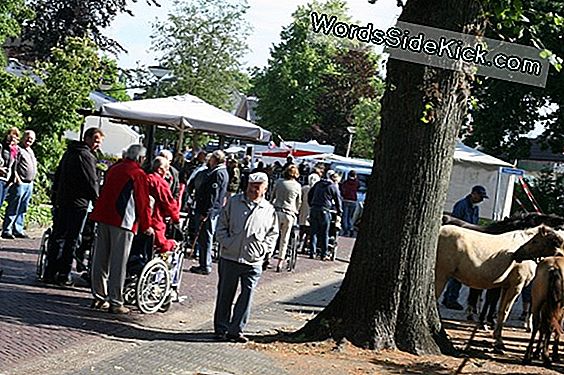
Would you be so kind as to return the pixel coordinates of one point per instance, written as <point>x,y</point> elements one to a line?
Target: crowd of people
<point>249,211</point>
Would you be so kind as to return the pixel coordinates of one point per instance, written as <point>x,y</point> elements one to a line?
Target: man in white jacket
<point>247,231</point>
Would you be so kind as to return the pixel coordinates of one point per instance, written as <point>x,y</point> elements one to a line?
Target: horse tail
<point>555,297</point>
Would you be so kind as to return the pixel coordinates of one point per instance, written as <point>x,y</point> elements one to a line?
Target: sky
<point>267,18</point>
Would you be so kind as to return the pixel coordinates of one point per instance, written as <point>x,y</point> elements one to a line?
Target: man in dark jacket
<point>75,188</point>
<point>210,199</point>
<point>322,198</point>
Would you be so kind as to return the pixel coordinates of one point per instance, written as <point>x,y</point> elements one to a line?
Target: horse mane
<point>509,224</point>
<point>524,221</point>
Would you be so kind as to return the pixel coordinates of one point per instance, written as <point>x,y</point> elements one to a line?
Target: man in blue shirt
<point>465,209</point>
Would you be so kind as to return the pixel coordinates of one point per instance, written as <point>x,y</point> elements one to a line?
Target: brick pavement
<point>38,323</point>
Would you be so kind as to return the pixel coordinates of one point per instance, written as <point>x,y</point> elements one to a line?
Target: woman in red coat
<point>164,204</point>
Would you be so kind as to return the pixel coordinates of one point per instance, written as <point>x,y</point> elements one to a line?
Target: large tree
<point>505,111</point>
<point>56,20</point>
<point>354,78</point>
<point>387,296</point>
<point>290,86</point>
<point>203,42</point>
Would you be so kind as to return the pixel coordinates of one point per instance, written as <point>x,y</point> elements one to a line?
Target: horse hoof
<point>483,327</point>
<point>526,361</point>
<point>499,348</point>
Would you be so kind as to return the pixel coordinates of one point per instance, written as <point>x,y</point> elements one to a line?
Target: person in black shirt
<point>75,189</point>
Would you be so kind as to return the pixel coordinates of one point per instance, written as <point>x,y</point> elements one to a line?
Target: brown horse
<point>485,261</point>
<point>547,308</point>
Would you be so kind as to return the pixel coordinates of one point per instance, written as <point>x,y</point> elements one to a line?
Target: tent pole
<point>150,142</point>
<point>221,142</point>
<point>179,147</point>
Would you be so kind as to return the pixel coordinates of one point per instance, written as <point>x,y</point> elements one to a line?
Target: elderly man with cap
<point>465,209</point>
<point>247,231</point>
<point>123,206</point>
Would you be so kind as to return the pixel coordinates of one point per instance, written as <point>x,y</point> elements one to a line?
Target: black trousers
<point>65,239</point>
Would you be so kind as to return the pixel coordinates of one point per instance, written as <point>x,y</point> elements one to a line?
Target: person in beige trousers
<point>286,199</point>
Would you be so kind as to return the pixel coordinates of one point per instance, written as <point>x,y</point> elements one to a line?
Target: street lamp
<point>160,72</point>
<point>351,130</point>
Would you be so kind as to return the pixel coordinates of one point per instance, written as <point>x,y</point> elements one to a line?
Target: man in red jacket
<point>164,206</point>
<point>122,207</point>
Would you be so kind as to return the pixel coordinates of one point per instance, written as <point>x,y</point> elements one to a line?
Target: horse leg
<point>545,343</point>
<point>555,355</point>
<point>492,299</point>
<point>529,351</point>
<point>508,297</point>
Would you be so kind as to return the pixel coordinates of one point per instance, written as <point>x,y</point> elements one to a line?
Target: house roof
<point>542,152</point>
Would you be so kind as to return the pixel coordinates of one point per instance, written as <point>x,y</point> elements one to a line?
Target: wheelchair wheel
<point>129,291</point>
<point>166,304</point>
<point>293,249</point>
<point>42,256</point>
<point>153,286</point>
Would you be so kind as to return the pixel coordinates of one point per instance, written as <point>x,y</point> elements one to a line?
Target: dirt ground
<point>476,346</point>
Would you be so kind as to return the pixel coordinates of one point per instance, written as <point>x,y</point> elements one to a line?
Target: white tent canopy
<point>470,167</point>
<point>184,113</point>
<point>117,137</point>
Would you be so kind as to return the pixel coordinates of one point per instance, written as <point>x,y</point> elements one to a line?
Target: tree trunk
<point>387,296</point>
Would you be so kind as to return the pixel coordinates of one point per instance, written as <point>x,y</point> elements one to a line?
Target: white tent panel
<point>185,112</point>
<point>499,187</point>
<point>117,137</point>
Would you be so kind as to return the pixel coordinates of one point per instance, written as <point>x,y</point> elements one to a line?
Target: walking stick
<point>193,249</point>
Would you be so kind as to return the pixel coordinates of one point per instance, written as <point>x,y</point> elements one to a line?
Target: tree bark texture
<point>387,296</point>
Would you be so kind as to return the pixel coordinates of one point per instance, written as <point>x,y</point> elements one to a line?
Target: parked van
<point>362,174</point>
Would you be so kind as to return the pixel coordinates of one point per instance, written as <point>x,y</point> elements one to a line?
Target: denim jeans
<point>319,220</point>
<point>230,274</point>
<point>453,290</point>
<point>206,231</point>
<point>18,199</point>
<point>348,211</point>
<point>3,191</point>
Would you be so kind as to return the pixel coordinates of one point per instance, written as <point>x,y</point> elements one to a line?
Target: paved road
<point>48,327</point>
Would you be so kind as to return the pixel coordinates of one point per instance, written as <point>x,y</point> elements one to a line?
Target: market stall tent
<point>185,113</point>
<point>470,167</point>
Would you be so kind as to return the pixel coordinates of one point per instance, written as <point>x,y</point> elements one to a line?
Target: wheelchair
<point>42,254</point>
<point>153,279</point>
<point>334,229</point>
<point>293,247</point>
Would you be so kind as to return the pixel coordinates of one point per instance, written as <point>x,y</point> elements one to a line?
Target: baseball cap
<point>480,190</point>
<point>258,177</point>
